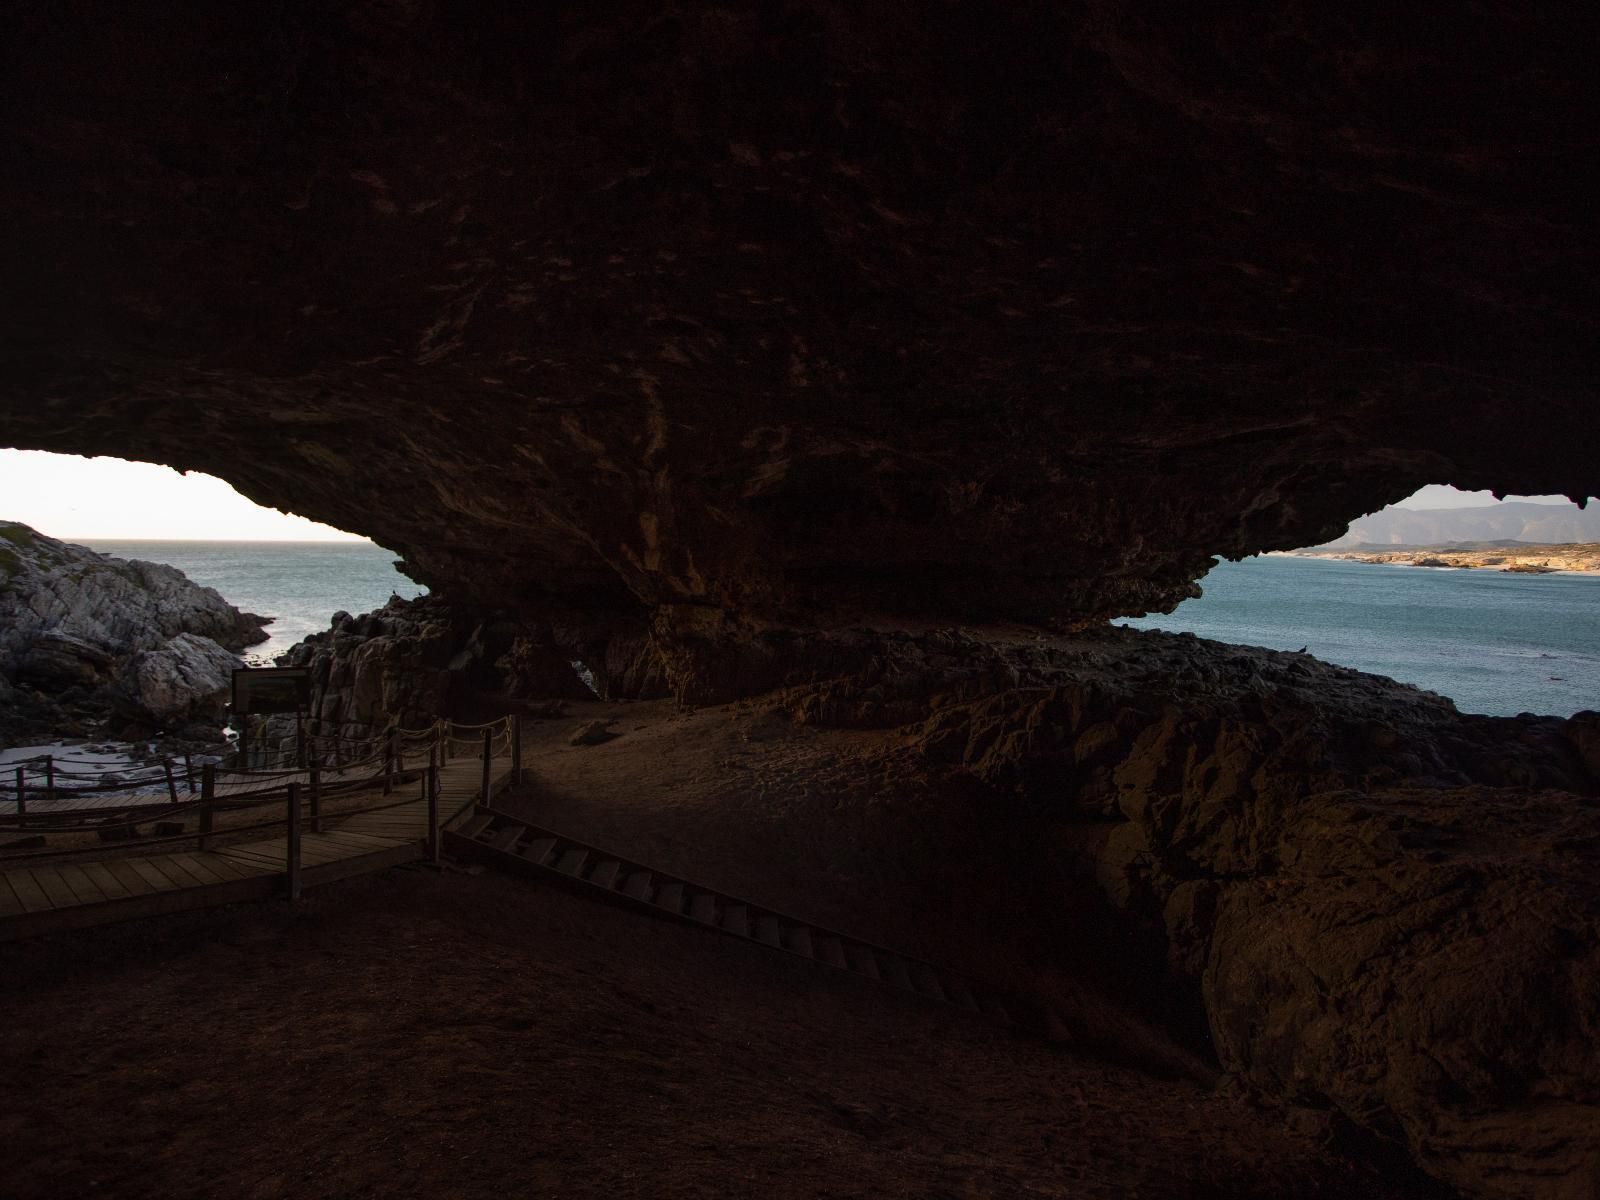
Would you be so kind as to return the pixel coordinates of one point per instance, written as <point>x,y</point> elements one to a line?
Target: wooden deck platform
<point>50,895</point>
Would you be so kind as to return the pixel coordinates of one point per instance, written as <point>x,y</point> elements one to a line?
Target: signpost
<point>259,691</point>
<point>262,690</point>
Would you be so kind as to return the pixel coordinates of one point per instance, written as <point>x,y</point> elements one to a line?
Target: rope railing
<point>66,809</point>
<point>394,758</point>
<point>308,803</point>
<point>298,787</point>
<point>258,790</point>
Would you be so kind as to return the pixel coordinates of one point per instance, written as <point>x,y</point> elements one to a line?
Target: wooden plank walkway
<point>48,896</point>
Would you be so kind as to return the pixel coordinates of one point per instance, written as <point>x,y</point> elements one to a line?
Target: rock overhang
<point>803,314</point>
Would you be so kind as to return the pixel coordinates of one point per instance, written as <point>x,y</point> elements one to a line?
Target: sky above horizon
<point>74,498</point>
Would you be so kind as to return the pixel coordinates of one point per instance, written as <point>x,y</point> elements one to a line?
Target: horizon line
<point>344,541</point>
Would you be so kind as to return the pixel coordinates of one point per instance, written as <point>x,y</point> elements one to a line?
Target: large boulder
<point>406,662</point>
<point>182,681</point>
<point>379,668</point>
<point>1377,904</point>
<point>1427,962</point>
<point>85,637</point>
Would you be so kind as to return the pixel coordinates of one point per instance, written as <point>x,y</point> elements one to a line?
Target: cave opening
<point>833,388</point>
<point>1495,607</point>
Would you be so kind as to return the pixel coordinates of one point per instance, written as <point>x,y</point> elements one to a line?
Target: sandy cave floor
<point>457,1035</point>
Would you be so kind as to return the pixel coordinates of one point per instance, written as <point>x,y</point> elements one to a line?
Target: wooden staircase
<point>510,843</point>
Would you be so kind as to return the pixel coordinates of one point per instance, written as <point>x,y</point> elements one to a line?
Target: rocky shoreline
<point>1524,559</point>
<point>98,647</point>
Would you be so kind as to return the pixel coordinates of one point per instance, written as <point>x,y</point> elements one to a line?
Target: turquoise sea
<point>1494,643</point>
<point>302,584</point>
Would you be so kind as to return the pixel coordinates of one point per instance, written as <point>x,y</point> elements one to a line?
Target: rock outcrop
<point>1427,962</point>
<point>1381,906</point>
<point>86,639</point>
<point>412,661</point>
<point>807,312</point>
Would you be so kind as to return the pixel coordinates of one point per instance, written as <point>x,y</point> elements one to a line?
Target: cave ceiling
<point>807,311</point>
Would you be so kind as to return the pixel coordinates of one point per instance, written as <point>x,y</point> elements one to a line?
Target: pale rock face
<point>84,635</point>
<point>52,587</point>
<point>185,679</point>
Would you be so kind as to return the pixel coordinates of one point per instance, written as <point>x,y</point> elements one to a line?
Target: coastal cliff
<point>91,643</point>
<point>1524,558</point>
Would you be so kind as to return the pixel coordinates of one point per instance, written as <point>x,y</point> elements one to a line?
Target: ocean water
<point>302,584</point>
<point>1494,643</point>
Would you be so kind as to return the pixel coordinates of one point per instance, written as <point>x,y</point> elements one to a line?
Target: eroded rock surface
<point>805,311</point>
<point>85,637</point>
<point>1429,962</point>
<point>409,662</point>
<point>1384,907</point>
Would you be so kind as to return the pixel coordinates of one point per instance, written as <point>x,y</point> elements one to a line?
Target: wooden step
<point>703,907</point>
<point>572,861</point>
<point>506,836</point>
<point>670,897</point>
<point>861,960</point>
<point>538,851</point>
<point>605,875</point>
<point>959,993</point>
<point>991,1007</point>
<point>894,971</point>
<point>830,951</point>
<point>675,897</point>
<point>637,885</point>
<point>798,939</point>
<point>926,982</point>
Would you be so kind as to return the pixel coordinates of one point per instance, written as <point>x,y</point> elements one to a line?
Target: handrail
<point>22,858</point>
<point>340,780</point>
<point>299,792</point>
<point>142,787</point>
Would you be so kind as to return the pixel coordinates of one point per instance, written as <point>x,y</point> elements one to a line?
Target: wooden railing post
<point>172,786</point>
<point>49,776</point>
<point>488,754</point>
<point>432,784</point>
<point>22,800</point>
<point>316,798</point>
<point>516,748</point>
<point>208,797</point>
<point>292,849</point>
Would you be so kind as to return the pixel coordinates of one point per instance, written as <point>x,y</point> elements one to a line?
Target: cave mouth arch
<point>72,496</point>
<point>1440,591</point>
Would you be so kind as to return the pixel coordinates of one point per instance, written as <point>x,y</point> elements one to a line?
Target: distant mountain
<point>1516,521</point>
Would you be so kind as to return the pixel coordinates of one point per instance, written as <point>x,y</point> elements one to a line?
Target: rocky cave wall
<point>689,317</point>
<point>698,339</point>
<point>1378,906</point>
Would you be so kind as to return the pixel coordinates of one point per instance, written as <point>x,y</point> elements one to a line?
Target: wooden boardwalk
<point>46,896</point>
